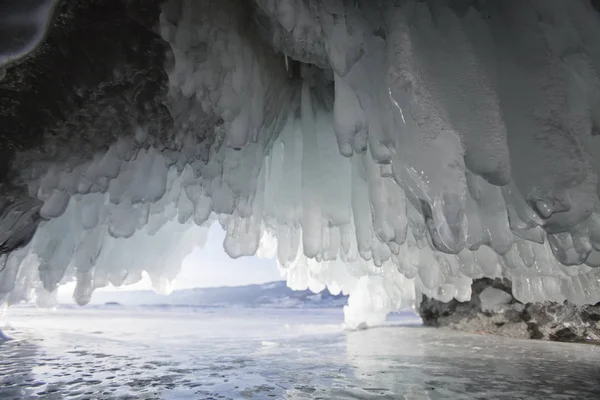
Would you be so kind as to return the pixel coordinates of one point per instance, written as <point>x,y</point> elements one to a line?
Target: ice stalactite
<point>382,149</point>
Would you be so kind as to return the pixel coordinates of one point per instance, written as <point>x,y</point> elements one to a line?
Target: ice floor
<point>275,354</point>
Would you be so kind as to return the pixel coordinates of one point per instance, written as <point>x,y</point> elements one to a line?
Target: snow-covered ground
<point>237,353</point>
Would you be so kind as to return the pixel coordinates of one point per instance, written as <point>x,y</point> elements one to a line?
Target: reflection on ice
<point>282,354</point>
<point>423,363</point>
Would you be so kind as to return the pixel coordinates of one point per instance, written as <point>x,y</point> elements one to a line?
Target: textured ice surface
<point>284,354</point>
<point>382,149</point>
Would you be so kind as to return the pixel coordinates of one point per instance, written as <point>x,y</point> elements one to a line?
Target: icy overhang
<point>387,149</point>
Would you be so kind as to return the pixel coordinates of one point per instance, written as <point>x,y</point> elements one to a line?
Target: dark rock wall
<point>98,74</point>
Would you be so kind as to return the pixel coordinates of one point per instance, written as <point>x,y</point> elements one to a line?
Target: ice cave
<point>391,150</point>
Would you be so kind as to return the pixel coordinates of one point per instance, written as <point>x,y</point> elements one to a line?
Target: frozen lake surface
<point>119,353</point>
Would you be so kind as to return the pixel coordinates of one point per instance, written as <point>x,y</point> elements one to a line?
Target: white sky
<point>208,267</point>
<point>211,266</point>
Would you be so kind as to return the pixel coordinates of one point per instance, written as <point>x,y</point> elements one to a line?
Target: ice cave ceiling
<point>386,148</point>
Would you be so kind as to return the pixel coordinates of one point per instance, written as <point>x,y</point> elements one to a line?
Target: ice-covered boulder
<point>492,309</point>
<point>494,300</point>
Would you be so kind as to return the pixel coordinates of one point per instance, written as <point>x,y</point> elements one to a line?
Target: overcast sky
<point>208,267</point>
<point>211,266</point>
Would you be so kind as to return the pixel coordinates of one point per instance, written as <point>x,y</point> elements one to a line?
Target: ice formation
<point>493,299</point>
<point>386,149</point>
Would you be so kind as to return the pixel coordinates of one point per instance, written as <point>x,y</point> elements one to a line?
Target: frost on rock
<point>492,299</point>
<point>381,149</point>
